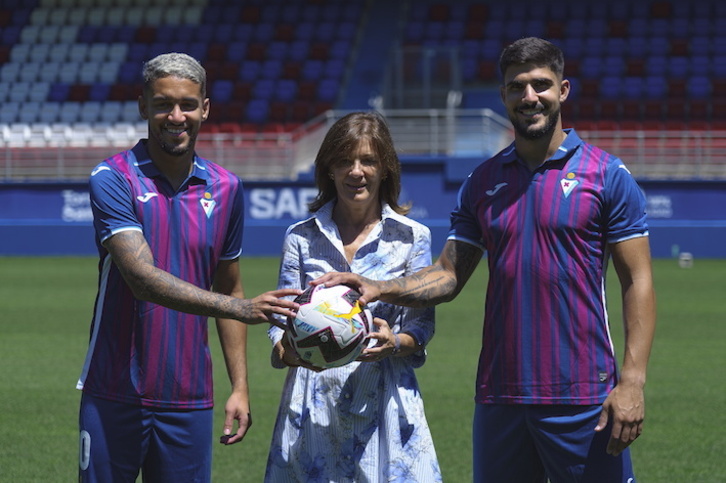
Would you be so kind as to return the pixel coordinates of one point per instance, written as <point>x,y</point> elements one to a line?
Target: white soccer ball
<point>331,327</point>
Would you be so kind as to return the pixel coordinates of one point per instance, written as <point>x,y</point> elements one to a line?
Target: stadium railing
<point>69,151</point>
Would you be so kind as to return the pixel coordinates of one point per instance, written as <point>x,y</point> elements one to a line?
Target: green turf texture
<point>46,307</point>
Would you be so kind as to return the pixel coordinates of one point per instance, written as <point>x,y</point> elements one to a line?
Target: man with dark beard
<point>168,228</point>
<point>549,210</point>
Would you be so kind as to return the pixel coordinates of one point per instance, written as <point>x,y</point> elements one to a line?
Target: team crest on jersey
<point>568,184</point>
<point>208,204</point>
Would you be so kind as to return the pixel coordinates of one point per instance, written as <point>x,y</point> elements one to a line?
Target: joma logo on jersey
<point>494,190</point>
<point>146,196</point>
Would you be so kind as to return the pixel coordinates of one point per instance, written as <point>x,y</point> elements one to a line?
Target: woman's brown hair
<point>341,140</point>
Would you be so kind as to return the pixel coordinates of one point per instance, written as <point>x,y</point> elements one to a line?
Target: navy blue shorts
<point>531,443</point>
<point>117,440</point>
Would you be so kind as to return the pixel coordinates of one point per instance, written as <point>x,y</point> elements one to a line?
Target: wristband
<point>397,346</point>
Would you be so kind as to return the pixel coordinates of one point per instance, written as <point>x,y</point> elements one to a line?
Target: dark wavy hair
<point>341,140</point>
<point>533,50</point>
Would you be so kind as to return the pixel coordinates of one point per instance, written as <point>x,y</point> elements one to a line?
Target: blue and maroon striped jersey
<point>140,352</point>
<point>546,337</point>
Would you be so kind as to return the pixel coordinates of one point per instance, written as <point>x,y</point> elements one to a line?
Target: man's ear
<point>205,109</point>
<point>564,90</point>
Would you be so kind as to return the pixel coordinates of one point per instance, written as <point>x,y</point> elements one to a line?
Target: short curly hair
<point>175,64</point>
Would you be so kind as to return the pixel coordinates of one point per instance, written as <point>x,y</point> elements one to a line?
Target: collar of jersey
<point>572,141</point>
<point>147,168</point>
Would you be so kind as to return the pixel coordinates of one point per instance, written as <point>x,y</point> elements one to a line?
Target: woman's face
<point>358,177</point>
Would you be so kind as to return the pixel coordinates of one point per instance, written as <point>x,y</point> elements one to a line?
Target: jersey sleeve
<point>233,244</point>
<point>464,225</point>
<point>111,203</point>
<point>624,203</point>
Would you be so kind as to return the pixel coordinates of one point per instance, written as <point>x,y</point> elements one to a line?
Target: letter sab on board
<point>271,204</point>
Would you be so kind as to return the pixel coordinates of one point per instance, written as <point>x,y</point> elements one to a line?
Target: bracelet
<point>397,346</point>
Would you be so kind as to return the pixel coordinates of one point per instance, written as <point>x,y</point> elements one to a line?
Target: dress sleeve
<point>290,276</point>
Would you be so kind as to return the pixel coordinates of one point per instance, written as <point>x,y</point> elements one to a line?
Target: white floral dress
<point>363,422</point>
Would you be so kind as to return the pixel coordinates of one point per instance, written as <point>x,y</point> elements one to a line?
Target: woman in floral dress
<point>365,421</point>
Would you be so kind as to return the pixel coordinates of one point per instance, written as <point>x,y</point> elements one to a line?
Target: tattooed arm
<point>134,259</point>
<point>437,283</point>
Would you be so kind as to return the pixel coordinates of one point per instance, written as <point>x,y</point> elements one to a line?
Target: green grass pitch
<point>45,310</point>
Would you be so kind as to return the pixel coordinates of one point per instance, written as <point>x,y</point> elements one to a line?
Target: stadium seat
<point>69,112</point>
<point>39,91</point>
<point>58,92</point>
<point>30,71</point>
<point>631,50</point>
<point>21,91</point>
<point>130,112</point>
<point>50,113</point>
<point>87,34</point>
<point>29,112</point>
<point>257,111</point>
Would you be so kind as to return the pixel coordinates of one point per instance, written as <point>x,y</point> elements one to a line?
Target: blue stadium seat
<point>699,87</point>
<point>286,90</point>
<point>257,110</point>
<point>264,89</point>
<point>221,90</point>
<point>99,92</point>
<point>249,70</point>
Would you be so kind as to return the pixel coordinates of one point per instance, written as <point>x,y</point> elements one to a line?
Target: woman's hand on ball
<point>385,345</point>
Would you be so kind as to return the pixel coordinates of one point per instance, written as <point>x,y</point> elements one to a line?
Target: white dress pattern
<point>363,422</point>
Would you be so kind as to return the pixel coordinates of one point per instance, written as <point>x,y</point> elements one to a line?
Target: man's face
<point>532,96</point>
<point>175,110</point>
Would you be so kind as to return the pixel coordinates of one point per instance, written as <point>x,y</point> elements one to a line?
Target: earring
<point>331,176</point>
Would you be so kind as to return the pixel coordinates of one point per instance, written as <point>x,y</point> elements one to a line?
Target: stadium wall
<point>54,218</point>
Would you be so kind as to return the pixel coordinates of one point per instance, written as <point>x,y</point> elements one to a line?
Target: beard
<point>523,129</point>
<point>176,150</point>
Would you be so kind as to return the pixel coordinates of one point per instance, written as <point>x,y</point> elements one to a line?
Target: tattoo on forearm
<point>437,283</point>
<point>135,260</point>
<point>427,287</point>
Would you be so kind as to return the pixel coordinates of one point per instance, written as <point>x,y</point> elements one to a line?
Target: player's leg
<point>112,442</point>
<point>180,448</point>
<point>503,448</point>
<point>571,449</point>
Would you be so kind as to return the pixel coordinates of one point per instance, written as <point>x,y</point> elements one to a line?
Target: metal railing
<point>666,154</point>
<point>69,152</point>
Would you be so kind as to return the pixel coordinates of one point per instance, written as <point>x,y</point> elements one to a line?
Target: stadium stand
<point>83,51</point>
<point>663,55</point>
<point>641,71</point>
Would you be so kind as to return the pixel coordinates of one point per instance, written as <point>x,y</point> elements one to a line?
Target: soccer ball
<point>331,326</point>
